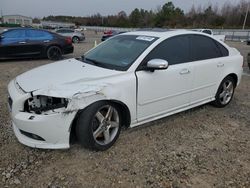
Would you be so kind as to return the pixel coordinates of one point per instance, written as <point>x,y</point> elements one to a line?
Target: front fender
<point>79,99</point>
<point>121,88</point>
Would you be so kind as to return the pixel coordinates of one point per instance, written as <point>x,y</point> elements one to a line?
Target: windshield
<point>119,52</point>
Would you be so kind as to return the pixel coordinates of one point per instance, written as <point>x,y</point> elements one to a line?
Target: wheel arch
<point>125,113</point>
<point>217,102</point>
<point>234,77</point>
<point>57,45</point>
<point>75,36</point>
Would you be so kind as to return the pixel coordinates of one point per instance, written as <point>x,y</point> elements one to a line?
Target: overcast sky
<point>40,8</point>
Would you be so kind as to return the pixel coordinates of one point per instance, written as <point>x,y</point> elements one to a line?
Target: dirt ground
<point>203,147</point>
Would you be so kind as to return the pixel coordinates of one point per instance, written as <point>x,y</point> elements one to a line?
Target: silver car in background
<point>76,36</point>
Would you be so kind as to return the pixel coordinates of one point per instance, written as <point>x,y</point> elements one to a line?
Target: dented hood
<point>60,73</point>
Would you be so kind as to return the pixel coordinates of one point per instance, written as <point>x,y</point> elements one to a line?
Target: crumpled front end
<point>38,121</point>
<point>43,118</point>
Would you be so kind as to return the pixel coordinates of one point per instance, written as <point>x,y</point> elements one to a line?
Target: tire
<point>75,39</point>
<point>54,53</point>
<point>225,92</point>
<point>99,125</point>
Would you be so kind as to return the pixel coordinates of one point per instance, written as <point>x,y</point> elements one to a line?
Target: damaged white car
<point>130,79</point>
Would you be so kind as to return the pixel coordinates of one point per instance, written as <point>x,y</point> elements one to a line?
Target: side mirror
<point>157,64</point>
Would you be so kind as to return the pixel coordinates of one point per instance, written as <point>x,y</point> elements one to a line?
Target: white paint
<point>148,95</point>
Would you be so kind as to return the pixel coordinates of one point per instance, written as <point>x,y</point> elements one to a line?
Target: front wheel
<point>99,125</point>
<point>225,92</point>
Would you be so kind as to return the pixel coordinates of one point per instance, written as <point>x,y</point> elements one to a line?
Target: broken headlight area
<point>42,104</point>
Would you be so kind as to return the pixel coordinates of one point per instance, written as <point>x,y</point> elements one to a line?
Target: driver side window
<point>175,50</point>
<point>14,34</point>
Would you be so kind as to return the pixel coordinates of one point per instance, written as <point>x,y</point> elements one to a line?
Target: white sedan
<point>128,80</point>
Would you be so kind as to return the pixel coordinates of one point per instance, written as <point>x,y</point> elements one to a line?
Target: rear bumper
<point>68,50</point>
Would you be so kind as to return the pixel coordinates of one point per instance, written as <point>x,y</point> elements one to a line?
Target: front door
<point>164,91</point>
<point>13,43</point>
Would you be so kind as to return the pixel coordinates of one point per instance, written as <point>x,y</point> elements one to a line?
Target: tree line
<point>168,16</point>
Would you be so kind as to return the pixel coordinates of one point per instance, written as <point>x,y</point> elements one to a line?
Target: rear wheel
<point>98,126</point>
<point>75,40</point>
<point>54,53</point>
<point>225,92</point>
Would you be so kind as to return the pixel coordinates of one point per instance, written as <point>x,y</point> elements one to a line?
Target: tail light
<point>68,40</point>
<point>108,32</point>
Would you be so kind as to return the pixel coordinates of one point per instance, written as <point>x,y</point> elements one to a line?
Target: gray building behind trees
<point>57,25</point>
<point>17,19</point>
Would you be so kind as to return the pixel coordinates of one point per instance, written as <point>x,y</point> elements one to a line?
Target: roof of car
<point>162,34</point>
<point>154,29</point>
<point>22,28</point>
<point>25,28</point>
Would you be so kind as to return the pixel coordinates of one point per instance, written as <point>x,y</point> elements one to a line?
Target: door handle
<point>184,71</point>
<point>220,65</point>
<point>22,42</point>
<point>46,41</point>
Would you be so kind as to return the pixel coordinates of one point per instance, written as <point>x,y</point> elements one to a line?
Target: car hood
<point>62,73</point>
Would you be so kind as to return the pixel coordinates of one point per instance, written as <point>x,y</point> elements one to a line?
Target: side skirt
<point>172,112</point>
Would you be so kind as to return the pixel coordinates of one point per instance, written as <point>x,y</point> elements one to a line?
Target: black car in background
<point>28,42</point>
<point>110,33</point>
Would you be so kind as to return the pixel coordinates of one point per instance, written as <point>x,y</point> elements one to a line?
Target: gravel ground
<point>202,147</point>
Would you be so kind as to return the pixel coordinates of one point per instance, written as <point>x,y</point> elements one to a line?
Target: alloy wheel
<point>105,125</point>
<point>54,53</point>
<point>227,92</point>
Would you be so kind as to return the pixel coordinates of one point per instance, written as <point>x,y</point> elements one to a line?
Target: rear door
<point>13,43</point>
<point>164,91</point>
<point>37,41</point>
<point>208,58</point>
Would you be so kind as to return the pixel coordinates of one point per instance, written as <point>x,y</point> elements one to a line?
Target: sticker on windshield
<point>145,38</point>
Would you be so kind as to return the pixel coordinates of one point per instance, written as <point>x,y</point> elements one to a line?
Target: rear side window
<point>65,31</point>
<point>69,31</point>
<point>38,35</point>
<point>207,31</point>
<point>61,31</point>
<point>204,48</point>
<point>223,50</point>
<point>175,50</point>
